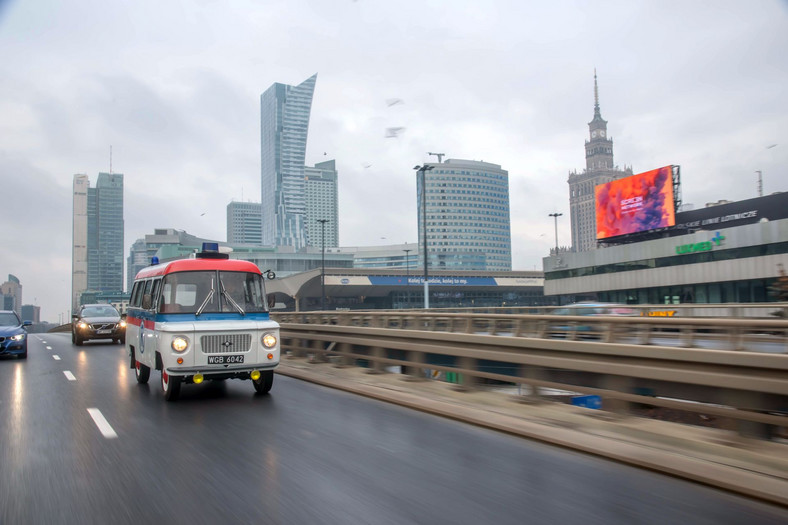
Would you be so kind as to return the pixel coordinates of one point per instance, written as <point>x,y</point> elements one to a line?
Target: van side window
<point>155,292</point>
<point>148,286</point>
<point>136,294</point>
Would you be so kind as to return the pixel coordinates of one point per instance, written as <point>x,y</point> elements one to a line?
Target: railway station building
<point>726,253</point>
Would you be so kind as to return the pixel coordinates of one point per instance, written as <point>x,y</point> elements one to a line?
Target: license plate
<point>103,332</point>
<point>225,359</point>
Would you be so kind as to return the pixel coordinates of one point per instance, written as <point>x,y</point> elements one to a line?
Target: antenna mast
<point>110,159</point>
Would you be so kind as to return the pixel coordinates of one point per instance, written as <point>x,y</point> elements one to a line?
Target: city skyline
<point>512,86</point>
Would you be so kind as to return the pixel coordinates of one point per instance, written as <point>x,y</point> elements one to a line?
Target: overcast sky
<point>174,87</point>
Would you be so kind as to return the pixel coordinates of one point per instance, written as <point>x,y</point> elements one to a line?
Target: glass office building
<point>243,223</point>
<point>105,234</point>
<point>322,197</point>
<point>284,123</point>
<point>467,214</point>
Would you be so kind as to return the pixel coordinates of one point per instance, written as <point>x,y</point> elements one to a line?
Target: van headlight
<point>180,343</point>
<point>123,324</point>
<point>268,340</point>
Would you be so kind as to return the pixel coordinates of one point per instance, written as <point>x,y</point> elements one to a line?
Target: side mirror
<point>27,323</point>
<point>271,300</point>
<point>74,317</point>
<point>147,302</point>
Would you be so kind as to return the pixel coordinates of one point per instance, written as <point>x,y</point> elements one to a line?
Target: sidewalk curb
<point>750,483</point>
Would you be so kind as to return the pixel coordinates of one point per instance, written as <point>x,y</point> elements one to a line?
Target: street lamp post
<point>556,215</point>
<point>407,273</point>
<point>423,170</point>
<point>323,263</point>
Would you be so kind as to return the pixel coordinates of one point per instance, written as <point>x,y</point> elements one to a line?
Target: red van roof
<point>193,265</point>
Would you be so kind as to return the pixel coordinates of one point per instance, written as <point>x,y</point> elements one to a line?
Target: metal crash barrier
<point>735,370</point>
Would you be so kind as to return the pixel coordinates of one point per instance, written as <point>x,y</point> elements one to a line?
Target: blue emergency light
<point>210,250</point>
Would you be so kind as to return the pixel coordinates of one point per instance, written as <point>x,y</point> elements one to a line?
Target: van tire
<point>170,386</point>
<point>142,373</point>
<point>264,384</point>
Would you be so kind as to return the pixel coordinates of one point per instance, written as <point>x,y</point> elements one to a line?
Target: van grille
<point>225,343</point>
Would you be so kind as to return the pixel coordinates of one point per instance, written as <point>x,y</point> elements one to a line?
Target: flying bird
<point>393,101</point>
<point>393,132</point>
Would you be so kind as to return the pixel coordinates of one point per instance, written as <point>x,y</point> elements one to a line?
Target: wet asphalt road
<point>303,454</point>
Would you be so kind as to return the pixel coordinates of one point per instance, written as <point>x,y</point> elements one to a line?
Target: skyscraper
<point>322,203</point>
<point>599,170</point>
<point>97,251</point>
<point>11,294</point>
<point>79,237</point>
<point>284,124</point>
<point>468,222</point>
<point>243,223</point>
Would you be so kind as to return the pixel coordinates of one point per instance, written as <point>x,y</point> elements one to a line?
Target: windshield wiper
<point>230,299</point>
<point>206,301</point>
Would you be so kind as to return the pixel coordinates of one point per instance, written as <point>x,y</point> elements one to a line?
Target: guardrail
<point>775,310</point>
<point>760,335</point>
<point>748,388</point>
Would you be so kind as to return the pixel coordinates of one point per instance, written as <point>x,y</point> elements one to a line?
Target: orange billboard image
<point>636,203</point>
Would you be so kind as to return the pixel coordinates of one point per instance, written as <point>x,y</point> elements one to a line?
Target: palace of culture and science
<point>599,170</point>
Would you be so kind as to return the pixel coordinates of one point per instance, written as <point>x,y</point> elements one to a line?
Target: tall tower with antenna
<point>600,168</point>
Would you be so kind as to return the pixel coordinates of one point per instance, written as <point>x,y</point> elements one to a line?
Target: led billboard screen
<point>635,204</point>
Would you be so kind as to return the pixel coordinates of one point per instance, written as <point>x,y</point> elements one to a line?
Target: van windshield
<point>211,291</point>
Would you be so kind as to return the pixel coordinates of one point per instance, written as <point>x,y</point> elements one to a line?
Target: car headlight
<point>18,337</point>
<point>82,325</point>
<point>180,343</point>
<point>123,324</point>
<point>268,340</point>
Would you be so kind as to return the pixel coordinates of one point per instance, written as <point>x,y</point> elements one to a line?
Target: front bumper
<point>213,370</point>
<point>10,347</point>
<point>90,333</point>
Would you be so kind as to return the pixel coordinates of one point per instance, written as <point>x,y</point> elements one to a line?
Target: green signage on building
<point>700,246</point>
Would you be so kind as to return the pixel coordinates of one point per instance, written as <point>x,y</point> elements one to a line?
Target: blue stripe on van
<point>184,318</point>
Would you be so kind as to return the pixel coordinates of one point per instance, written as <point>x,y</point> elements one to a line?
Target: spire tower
<point>600,169</point>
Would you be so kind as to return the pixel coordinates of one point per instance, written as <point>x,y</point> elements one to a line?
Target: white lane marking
<point>56,357</point>
<point>69,375</point>
<point>49,348</point>
<point>102,424</point>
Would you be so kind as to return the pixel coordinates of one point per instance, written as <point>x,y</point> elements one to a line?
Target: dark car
<point>97,321</point>
<point>13,335</point>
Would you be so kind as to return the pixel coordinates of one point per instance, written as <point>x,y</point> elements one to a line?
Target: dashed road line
<point>56,357</point>
<point>102,424</point>
<point>49,348</point>
<point>69,375</point>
